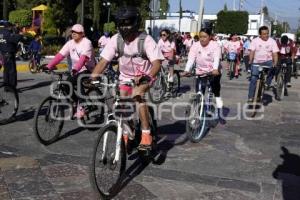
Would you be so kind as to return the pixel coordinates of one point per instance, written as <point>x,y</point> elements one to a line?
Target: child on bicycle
<point>35,48</point>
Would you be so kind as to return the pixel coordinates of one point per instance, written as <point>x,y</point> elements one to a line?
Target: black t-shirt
<point>9,41</point>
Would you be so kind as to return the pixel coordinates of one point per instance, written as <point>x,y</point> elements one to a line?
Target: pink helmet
<point>78,28</point>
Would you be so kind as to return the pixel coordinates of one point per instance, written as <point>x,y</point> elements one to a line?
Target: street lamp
<point>107,4</point>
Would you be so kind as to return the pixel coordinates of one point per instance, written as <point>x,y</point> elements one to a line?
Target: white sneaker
<point>170,78</point>
<point>219,102</point>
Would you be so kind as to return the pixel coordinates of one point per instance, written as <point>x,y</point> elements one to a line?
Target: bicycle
<point>9,104</point>
<point>295,68</point>
<point>161,86</point>
<point>281,88</point>
<point>109,153</point>
<point>51,112</point>
<point>33,64</point>
<point>201,110</point>
<point>260,86</point>
<point>232,57</point>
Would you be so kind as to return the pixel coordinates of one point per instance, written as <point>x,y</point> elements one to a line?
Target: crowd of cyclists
<point>140,58</point>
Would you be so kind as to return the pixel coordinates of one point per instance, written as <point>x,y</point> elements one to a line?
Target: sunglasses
<point>163,34</point>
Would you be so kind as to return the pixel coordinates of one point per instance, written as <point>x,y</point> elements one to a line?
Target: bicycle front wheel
<point>32,66</point>
<point>9,103</point>
<point>48,120</point>
<point>196,125</point>
<point>280,87</point>
<point>158,90</point>
<point>107,169</point>
<point>176,84</point>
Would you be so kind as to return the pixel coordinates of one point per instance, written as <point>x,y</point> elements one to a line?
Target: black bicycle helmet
<point>128,21</point>
<point>284,40</point>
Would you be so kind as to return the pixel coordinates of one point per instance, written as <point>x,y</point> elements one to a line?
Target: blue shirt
<point>35,46</point>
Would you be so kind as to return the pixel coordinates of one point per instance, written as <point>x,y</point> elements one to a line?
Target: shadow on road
<point>35,86</point>
<point>25,80</point>
<point>289,174</point>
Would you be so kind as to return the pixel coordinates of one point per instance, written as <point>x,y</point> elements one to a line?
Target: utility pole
<point>234,5</point>
<point>82,12</point>
<point>200,17</point>
<point>241,5</point>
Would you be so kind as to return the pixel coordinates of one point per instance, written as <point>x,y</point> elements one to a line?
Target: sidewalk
<point>58,177</point>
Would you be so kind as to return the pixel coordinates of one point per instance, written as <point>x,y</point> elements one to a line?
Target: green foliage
<point>29,4</point>
<point>232,22</point>
<point>165,6</point>
<point>109,27</point>
<point>49,26</point>
<point>21,17</point>
<point>225,7</point>
<point>51,49</point>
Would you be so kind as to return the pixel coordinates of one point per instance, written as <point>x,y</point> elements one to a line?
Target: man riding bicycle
<point>287,55</point>
<point>132,65</point>
<point>263,51</point>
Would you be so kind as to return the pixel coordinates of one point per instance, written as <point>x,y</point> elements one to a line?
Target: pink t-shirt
<point>205,57</point>
<point>263,50</point>
<point>167,48</point>
<point>131,67</point>
<point>298,52</point>
<point>233,46</point>
<point>75,50</point>
<point>188,43</point>
<point>102,42</point>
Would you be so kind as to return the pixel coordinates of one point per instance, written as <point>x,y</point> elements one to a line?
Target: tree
<point>96,14</point>
<point>165,6</point>
<point>21,17</point>
<point>225,7</point>
<point>265,10</point>
<point>232,22</point>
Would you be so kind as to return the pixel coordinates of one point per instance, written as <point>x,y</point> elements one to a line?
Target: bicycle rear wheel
<point>48,120</point>
<point>105,172</point>
<point>158,90</point>
<point>32,66</point>
<point>196,125</point>
<point>9,103</point>
<point>176,84</point>
<point>231,70</point>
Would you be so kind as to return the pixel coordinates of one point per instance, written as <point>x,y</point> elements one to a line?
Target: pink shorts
<point>126,88</point>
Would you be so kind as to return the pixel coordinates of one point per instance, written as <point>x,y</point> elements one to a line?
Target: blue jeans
<point>254,76</point>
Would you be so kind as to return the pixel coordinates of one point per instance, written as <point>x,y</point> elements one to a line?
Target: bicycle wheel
<point>196,125</point>
<point>105,172</point>
<point>231,72</point>
<point>9,103</point>
<point>48,120</point>
<point>176,84</point>
<point>158,90</point>
<point>32,66</point>
<point>280,87</point>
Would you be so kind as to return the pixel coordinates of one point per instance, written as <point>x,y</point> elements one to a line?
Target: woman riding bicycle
<point>206,55</point>
<point>168,48</point>
<point>82,55</point>
<point>234,46</point>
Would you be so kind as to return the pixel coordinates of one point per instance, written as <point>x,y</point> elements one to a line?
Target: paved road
<point>236,161</point>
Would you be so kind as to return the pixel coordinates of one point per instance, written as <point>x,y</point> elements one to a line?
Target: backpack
<point>141,50</point>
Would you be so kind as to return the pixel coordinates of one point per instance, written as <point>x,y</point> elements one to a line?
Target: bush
<point>51,49</point>
<point>21,17</point>
<point>232,22</point>
<point>50,40</point>
<point>109,27</point>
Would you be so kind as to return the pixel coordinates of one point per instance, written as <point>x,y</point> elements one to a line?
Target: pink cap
<point>78,28</point>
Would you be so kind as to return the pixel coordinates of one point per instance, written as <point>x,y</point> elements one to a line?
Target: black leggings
<point>78,91</point>
<point>214,82</point>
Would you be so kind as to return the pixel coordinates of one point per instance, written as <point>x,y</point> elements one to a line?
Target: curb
<point>25,68</point>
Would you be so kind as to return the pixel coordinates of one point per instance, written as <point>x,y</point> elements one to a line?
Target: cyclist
<point>35,47</point>
<point>196,38</point>
<point>102,42</point>
<point>234,46</point>
<point>168,48</point>
<point>246,47</point>
<point>263,51</point>
<point>188,42</point>
<point>82,55</point>
<point>206,54</point>
<point>297,59</point>
<point>287,55</point>
<point>133,66</point>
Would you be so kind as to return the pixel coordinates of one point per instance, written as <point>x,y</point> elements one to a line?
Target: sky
<point>286,10</point>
